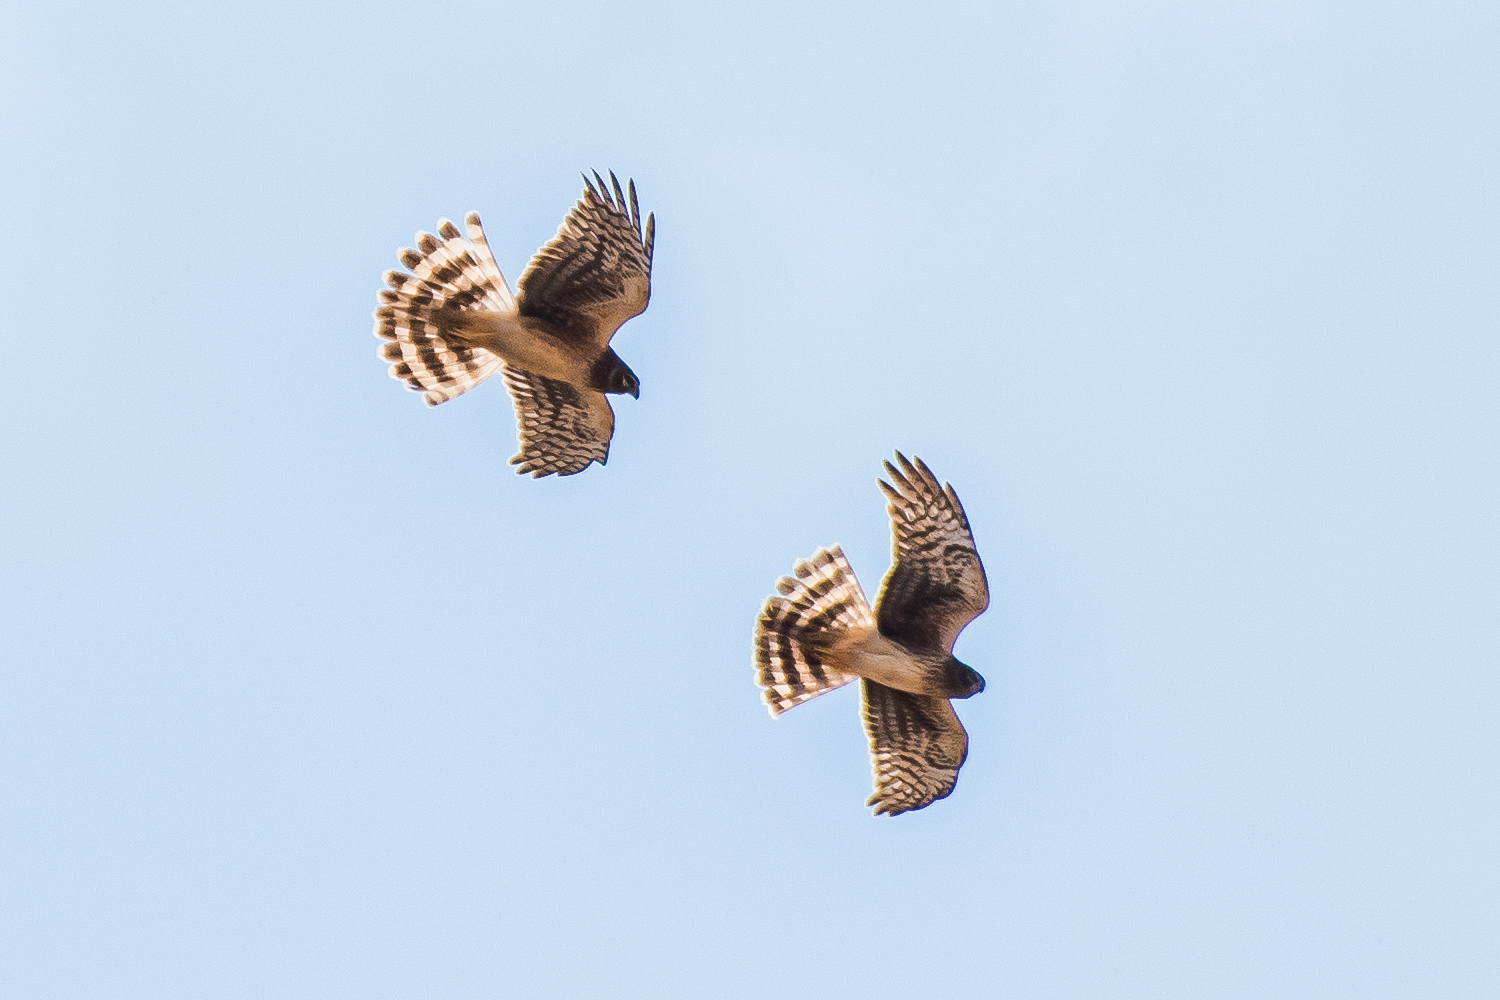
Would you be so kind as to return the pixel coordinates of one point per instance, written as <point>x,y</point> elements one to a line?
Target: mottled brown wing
<point>596,272</point>
<point>917,746</point>
<point>936,585</point>
<point>563,429</point>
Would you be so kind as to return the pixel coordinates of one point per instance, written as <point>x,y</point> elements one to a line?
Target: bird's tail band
<point>448,271</point>
<point>797,628</point>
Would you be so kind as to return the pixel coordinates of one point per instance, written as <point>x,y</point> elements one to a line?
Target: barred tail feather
<point>447,271</point>
<point>796,628</point>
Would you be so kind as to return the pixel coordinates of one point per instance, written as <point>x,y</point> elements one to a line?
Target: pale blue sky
<point>305,694</point>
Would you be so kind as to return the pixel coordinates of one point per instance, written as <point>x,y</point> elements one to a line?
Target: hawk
<point>453,322</point>
<point>820,634</point>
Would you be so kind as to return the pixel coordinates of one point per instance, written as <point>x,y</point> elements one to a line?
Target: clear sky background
<point>306,694</point>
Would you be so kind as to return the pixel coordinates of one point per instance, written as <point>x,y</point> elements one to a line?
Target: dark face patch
<point>613,375</point>
<point>963,680</point>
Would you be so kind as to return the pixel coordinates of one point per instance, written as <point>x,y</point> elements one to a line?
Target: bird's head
<point>613,375</point>
<point>963,680</point>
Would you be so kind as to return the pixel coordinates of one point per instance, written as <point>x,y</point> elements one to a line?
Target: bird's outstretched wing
<point>936,585</point>
<point>596,272</point>
<point>447,271</point>
<point>917,746</point>
<point>563,428</point>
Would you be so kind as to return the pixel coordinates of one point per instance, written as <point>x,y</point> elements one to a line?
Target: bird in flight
<point>820,634</point>
<point>452,323</point>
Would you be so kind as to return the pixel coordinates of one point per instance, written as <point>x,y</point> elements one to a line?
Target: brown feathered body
<point>522,342</point>
<point>865,653</point>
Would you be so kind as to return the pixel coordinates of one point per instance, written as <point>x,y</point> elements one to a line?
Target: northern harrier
<point>452,323</point>
<point>820,634</point>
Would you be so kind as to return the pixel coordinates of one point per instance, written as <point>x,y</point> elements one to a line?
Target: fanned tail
<point>448,271</point>
<point>796,628</point>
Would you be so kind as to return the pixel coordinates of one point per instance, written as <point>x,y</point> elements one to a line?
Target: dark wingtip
<point>926,474</point>
<point>958,505</point>
<point>899,475</point>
